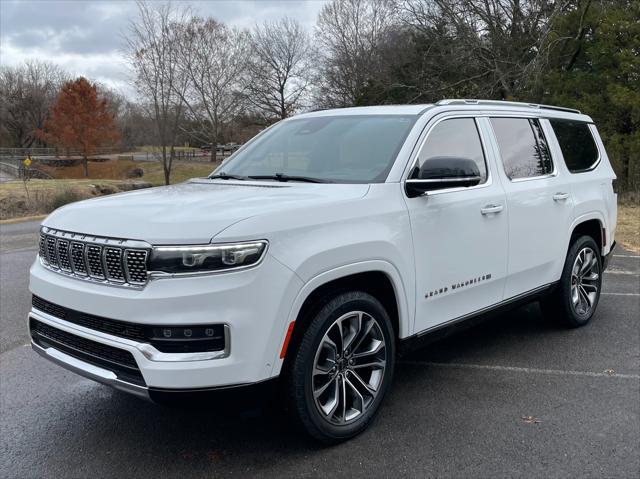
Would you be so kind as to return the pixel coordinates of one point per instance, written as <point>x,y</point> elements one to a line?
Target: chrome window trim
<point>425,136</point>
<point>499,159</point>
<point>442,180</point>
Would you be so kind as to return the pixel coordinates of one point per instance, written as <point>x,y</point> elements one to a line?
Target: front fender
<point>404,300</point>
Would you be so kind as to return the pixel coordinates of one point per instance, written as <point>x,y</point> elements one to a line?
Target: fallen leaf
<point>531,420</point>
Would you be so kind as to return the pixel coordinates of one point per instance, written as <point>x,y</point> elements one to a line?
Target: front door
<point>459,234</point>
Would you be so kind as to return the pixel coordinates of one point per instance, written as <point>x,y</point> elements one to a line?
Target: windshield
<point>341,149</point>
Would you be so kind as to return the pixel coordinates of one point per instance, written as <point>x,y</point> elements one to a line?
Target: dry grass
<point>43,196</point>
<point>628,229</point>
<point>121,169</point>
<point>105,177</point>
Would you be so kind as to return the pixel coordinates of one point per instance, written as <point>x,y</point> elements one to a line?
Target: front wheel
<point>575,300</point>
<point>342,367</point>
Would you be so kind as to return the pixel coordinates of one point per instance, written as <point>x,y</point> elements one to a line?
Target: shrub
<point>64,197</point>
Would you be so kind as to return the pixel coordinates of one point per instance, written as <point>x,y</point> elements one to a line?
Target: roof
<point>370,110</point>
<point>457,104</point>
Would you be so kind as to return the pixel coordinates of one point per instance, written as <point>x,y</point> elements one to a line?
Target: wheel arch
<point>379,278</point>
<point>592,225</point>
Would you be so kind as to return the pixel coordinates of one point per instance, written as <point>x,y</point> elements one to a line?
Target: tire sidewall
<point>303,365</point>
<point>573,318</point>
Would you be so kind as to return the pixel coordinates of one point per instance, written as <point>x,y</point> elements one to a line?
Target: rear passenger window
<point>523,147</point>
<point>576,142</point>
<point>454,138</point>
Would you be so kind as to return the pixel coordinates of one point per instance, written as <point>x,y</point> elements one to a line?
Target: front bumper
<point>252,304</point>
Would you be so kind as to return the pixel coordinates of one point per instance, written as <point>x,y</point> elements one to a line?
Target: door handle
<point>489,209</point>
<point>560,196</point>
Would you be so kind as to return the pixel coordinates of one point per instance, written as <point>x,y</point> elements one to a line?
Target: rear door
<point>459,234</point>
<point>539,204</point>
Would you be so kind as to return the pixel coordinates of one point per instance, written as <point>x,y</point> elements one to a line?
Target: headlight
<point>205,258</point>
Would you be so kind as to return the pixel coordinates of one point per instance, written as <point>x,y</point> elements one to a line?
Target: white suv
<point>324,247</point>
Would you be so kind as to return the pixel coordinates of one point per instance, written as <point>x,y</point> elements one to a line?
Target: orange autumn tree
<point>79,120</point>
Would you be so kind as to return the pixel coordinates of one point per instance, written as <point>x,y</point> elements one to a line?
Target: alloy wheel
<point>584,281</point>
<point>349,367</point>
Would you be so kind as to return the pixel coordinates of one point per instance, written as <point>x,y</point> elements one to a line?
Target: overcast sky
<point>85,36</point>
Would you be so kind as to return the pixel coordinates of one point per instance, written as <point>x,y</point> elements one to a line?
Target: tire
<point>576,297</point>
<point>335,396</point>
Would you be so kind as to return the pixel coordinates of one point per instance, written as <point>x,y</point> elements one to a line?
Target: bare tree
<point>214,59</point>
<point>488,47</point>
<point>280,67</point>
<point>350,34</point>
<point>26,95</point>
<point>154,53</point>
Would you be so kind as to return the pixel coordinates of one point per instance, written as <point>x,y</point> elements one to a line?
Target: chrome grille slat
<point>93,257</point>
<point>103,260</point>
<point>52,256</point>
<point>63,255</point>
<point>77,258</point>
<point>136,266</point>
<point>42,247</point>
<point>113,264</point>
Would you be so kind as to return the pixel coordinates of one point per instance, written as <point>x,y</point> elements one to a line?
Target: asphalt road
<point>515,397</point>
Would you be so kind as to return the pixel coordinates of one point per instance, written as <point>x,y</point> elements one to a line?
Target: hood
<point>192,212</point>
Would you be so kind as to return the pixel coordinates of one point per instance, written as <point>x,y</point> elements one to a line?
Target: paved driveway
<point>517,396</point>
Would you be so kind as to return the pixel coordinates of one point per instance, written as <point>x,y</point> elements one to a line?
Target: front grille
<point>106,260</point>
<point>121,329</point>
<point>121,362</point>
<point>155,335</point>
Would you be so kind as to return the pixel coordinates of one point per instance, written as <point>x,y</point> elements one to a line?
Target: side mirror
<point>442,172</point>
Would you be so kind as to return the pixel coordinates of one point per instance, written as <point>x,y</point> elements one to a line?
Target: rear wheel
<point>342,367</point>
<point>575,300</point>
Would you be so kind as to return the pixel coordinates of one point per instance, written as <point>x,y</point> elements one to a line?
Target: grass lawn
<point>628,227</point>
<point>121,170</point>
<point>156,149</point>
<point>106,177</point>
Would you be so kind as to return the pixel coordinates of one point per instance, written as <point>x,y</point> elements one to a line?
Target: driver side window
<point>454,138</point>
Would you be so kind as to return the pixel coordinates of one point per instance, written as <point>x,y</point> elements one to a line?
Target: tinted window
<point>578,148</point>
<point>457,138</point>
<point>523,147</point>
<point>346,149</point>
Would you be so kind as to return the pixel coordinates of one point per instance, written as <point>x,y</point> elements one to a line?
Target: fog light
<point>190,338</point>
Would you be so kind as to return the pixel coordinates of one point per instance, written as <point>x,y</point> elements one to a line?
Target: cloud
<point>86,37</point>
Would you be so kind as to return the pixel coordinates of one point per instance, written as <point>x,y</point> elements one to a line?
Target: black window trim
<point>553,173</point>
<point>421,142</point>
<point>589,124</point>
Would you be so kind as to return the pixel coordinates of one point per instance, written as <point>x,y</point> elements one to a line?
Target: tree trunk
<point>214,149</point>
<point>165,165</point>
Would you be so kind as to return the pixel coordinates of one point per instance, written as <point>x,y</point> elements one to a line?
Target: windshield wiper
<point>224,176</point>
<point>283,177</point>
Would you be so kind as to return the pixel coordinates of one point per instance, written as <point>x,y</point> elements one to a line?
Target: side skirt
<point>441,331</point>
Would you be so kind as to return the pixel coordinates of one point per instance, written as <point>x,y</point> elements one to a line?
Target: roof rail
<point>504,103</point>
